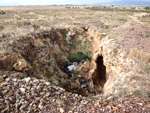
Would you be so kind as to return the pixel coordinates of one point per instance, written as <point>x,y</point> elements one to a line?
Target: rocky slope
<point>39,55</point>
<point>114,69</point>
<point>32,81</point>
<point>34,95</point>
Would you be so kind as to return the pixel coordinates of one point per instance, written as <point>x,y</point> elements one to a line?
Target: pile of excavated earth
<point>35,95</point>
<point>36,75</point>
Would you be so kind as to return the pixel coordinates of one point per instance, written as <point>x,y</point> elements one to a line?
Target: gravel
<point>30,95</point>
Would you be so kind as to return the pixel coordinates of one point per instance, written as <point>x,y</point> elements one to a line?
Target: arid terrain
<point>74,59</point>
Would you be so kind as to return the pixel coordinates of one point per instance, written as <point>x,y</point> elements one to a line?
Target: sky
<point>51,2</point>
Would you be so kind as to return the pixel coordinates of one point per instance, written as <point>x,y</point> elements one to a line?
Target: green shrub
<point>147,8</point>
<point>65,33</point>
<point>131,24</point>
<point>1,27</point>
<point>106,26</point>
<point>74,44</point>
<point>68,7</point>
<point>118,9</point>
<point>84,44</point>
<point>82,51</point>
<point>122,19</point>
<point>2,12</point>
<point>76,73</point>
<point>88,55</point>
<point>110,26</point>
<point>148,67</point>
<point>75,56</point>
<point>80,56</point>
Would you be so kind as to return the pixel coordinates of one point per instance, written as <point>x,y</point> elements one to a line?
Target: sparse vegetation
<point>135,52</point>
<point>110,26</point>
<point>147,8</point>
<point>81,50</point>
<point>84,45</point>
<point>131,24</point>
<point>118,22</point>
<point>122,19</point>
<point>2,13</point>
<point>76,73</point>
<point>1,27</point>
<point>74,44</point>
<point>78,56</point>
<point>115,50</point>
<point>65,33</point>
<point>116,9</point>
<point>148,67</point>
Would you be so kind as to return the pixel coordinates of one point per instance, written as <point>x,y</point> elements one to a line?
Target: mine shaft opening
<point>99,77</point>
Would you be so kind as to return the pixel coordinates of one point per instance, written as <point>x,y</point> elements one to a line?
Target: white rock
<point>141,104</point>
<point>108,41</point>
<point>27,79</point>
<point>62,110</point>
<point>40,106</point>
<point>110,97</point>
<point>22,90</point>
<point>104,34</point>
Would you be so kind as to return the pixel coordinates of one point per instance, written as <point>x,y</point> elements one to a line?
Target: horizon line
<point>72,5</point>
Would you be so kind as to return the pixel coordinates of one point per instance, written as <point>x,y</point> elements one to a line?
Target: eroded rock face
<point>121,70</point>
<point>40,55</point>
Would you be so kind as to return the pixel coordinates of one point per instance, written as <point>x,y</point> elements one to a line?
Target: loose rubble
<point>34,95</point>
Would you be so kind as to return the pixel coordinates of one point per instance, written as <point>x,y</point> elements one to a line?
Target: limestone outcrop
<point>113,70</point>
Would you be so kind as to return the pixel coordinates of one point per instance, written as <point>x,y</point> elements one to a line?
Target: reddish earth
<point>143,44</point>
<point>134,32</point>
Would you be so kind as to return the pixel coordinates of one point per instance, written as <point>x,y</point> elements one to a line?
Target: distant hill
<point>126,2</point>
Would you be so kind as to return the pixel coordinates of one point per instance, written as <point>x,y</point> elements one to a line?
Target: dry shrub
<point>146,57</point>
<point>140,54</point>
<point>132,52</point>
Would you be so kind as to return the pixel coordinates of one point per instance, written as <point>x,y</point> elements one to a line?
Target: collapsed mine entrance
<point>99,76</point>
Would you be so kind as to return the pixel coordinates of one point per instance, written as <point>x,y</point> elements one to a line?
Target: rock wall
<point>123,75</point>
<point>40,55</point>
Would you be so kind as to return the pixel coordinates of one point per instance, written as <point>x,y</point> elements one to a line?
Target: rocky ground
<point>23,92</point>
<point>30,57</point>
<point>34,95</point>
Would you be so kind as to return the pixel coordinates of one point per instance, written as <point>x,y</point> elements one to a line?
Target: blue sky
<point>51,2</point>
<point>46,2</point>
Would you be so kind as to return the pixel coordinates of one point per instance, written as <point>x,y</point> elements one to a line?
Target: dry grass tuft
<point>140,54</point>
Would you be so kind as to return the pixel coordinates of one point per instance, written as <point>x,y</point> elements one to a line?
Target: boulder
<point>21,65</point>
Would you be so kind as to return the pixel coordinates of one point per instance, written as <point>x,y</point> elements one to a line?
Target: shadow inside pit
<point>99,76</point>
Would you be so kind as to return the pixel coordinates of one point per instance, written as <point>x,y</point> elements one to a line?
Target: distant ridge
<point>126,2</point>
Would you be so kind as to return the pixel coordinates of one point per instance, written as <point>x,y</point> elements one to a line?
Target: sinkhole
<point>46,52</point>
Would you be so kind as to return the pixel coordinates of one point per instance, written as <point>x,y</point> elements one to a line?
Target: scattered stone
<point>1,79</point>
<point>27,79</point>
<point>62,110</point>
<point>2,106</point>
<point>22,90</point>
<point>141,104</point>
<point>59,101</point>
<point>24,96</point>
<point>20,65</point>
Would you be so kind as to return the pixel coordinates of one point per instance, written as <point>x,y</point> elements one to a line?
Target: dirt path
<point>135,19</point>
